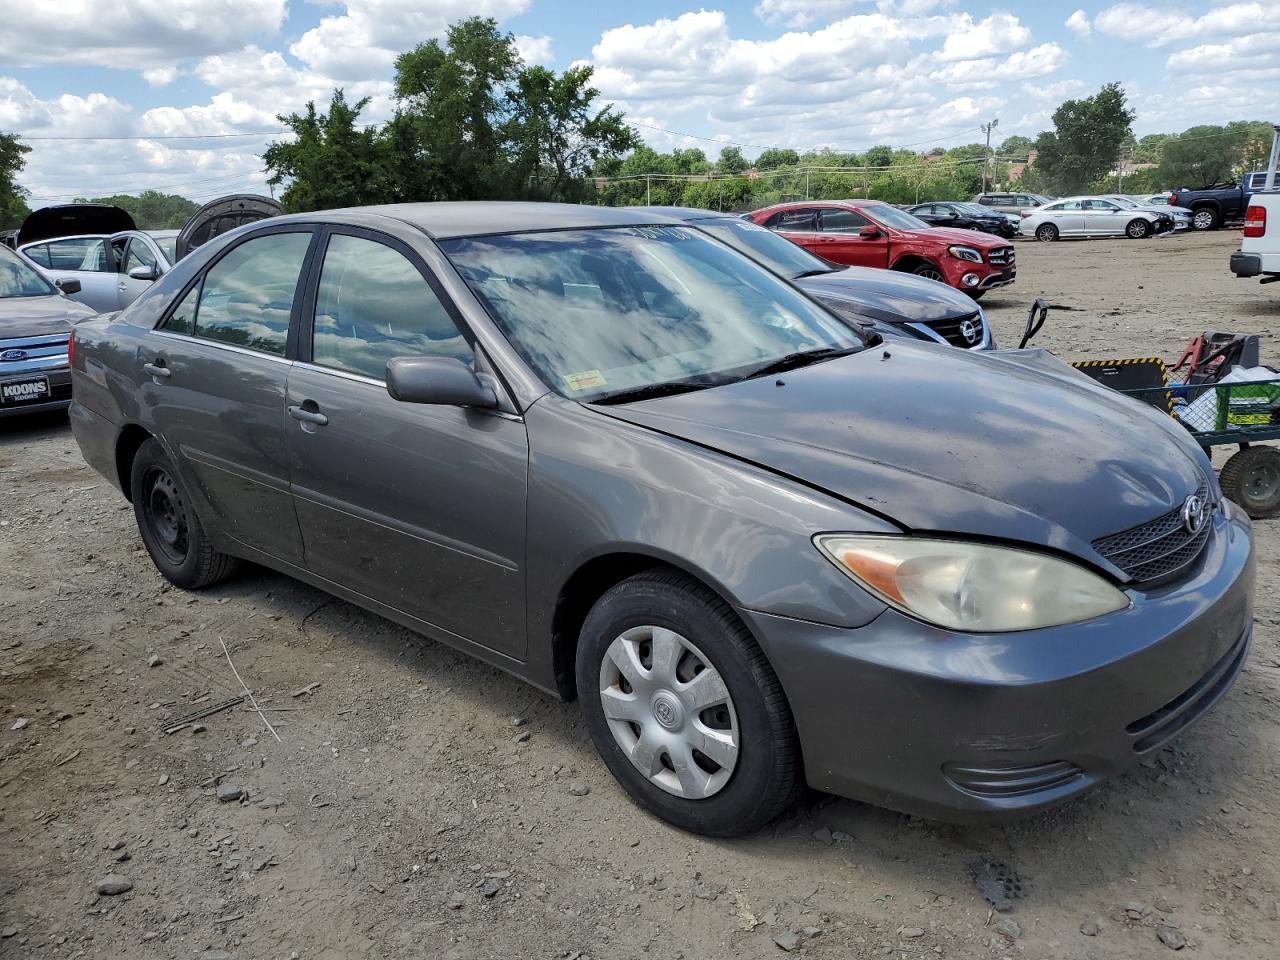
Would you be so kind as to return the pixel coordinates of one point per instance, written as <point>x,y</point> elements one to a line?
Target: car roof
<point>74,236</point>
<point>686,214</point>
<point>475,218</point>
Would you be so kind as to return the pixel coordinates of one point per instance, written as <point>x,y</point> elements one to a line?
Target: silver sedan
<point>1088,217</point>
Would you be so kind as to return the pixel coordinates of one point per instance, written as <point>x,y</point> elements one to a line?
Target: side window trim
<point>306,325</point>
<point>300,289</point>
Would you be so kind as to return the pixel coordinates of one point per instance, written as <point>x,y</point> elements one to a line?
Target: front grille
<point>1001,256</point>
<point>19,354</point>
<point>953,329</point>
<point>1011,781</point>
<point>1159,727</point>
<point>1156,549</point>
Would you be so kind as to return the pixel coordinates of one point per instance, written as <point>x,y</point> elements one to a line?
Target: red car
<point>869,233</point>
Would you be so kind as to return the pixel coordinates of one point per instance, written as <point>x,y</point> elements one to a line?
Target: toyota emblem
<point>969,330</point>
<point>13,355</point>
<point>1195,513</point>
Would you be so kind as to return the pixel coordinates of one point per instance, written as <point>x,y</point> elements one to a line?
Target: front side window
<point>600,314</point>
<point>246,298</point>
<point>140,255</point>
<point>893,217</point>
<point>182,319</point>
<point>17,279</point>
<point>1099,205</point>
<point>842,221</point>
<point>372,305</point>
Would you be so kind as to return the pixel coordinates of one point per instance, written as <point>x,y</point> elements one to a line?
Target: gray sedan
<point>606,453</point>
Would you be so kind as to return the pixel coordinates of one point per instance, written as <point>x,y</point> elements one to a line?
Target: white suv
<point>1259,253</point>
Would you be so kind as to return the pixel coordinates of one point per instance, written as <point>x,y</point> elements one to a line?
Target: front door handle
<point>158,369</point>
<point>308,416</point>
<point>121,286</point>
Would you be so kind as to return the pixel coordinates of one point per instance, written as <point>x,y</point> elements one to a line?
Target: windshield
<point>1123,201</point>
<point>974,208</point>
<point>168,246</point>
<point>893,217</point>
<point>764,246</point>
<point>19,279</point>
<point>605,312</point>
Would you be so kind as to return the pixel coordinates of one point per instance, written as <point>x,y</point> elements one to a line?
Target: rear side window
<point>77,253</point>
<point>38,255</point>
<point>843,221</point>
<point>803,221</point>
<point>247,296</point>
<point>374,304</point>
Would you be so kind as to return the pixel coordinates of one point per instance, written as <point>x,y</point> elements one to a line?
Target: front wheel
<point>1252,479</point>
<point>976,294</point>
<point>1046,233</point>
<point>1206,218</point>
<point>930,272</point>
<point>167,521</point>
<point>1137,229</point>
<point>684,708</point>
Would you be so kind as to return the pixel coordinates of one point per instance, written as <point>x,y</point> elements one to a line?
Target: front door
<point>137,258</point>
<point>419,507</point>
<point>214,374</point>
<point>1103,218</point>
<point>842,240</point>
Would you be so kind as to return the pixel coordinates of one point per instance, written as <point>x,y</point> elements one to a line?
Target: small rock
<point>112,885</point>
<point>198,728</point>
<point>812,933</point>
<point>457,902</point>
<point>270,803</point>
<point>911,933</point>
<point>164,778</point>
<point>1136,910</point>
<point>490,888</point>
<point>787,940</point>
<point>822,835</point>
<point>8,932</point>
<point>249,742</point>
<point>19,723</point>
<point>1163,904</point>
<point>1008,928</point>
<point>578,789</point>
<point>154,660</point>
<point>116,845</point>
<point>63,716</point>
<point>217,955</point>
<point>1090,928</point>
<point>1171,937</point>
<point>229,792</point>
<point>518,721</point>
<point>150,935</point>
<point>839,836</point>
<point>123,856</point>
<point>523,737</point>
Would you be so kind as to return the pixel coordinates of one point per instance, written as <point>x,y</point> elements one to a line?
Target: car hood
<point>970,238</point>
<point>1012,445</point>
<point>39,316</point>
<point>890,296</point>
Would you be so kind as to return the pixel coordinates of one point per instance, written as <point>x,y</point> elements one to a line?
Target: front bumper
<point>59,391</point>
<point>973,727</point>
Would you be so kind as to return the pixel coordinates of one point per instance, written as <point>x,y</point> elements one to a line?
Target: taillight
<point>71,348</point>
<point>1255,221</point>
<point>1173,199</point>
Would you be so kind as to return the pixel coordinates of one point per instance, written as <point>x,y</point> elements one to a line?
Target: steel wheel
<point>166,514</point>
<point>930,272</point>
<point>669,711</point>
<point>1046,232</point>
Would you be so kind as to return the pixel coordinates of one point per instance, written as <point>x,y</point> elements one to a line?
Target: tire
<point>167,521</point>
<point>1138,229</point>
<point>976,294</point>
<point>1046,233</point>
<point>1205,218</point>
<point>930,272</point>
<point>1252,479</point>
<point>747,716</point>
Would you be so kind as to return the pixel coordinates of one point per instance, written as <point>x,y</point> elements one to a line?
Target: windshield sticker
<point>748,225</point>
<point>585,380</point>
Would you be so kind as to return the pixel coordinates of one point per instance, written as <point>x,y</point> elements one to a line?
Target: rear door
<point>214,374</point>
<point>800,226</point>
<point>1067,216</point>
<point>419,507</point>
<point>841,240</point>
<point>88,260</point>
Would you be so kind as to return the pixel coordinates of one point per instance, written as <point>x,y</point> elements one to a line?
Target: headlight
<point>971,587</point>
<point>966,253</point>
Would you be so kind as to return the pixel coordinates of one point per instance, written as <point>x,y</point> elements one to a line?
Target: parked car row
<point>1101,216</point>
<point>616,457</point>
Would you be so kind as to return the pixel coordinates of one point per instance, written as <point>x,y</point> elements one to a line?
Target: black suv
<point>967,216</point>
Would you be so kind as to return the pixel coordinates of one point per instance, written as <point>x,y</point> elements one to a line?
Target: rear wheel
<point>1206,218</point>
<point>683,707</point>
<point>167,521</point>
<point>1046,233</point>
<point>1252,479</point>
<point>1137,229</point>
<point>930,272</point>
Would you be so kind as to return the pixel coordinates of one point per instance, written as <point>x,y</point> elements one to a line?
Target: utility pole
<point>648,193</point>
<point>986,158</point>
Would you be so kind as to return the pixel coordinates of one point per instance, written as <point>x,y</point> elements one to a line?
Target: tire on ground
<point>1251,478</point>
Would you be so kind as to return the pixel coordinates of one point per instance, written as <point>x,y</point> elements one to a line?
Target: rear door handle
<point>308,416</point>
<point>157,369</point>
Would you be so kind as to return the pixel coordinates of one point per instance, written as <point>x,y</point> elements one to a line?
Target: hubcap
<point>166,515</point>
<point>669,711</point>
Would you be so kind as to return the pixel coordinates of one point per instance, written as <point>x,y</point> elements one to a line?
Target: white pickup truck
<point>1259,253</point>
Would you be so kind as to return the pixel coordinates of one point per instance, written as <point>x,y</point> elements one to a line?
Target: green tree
<point>1016,147</point>
<point>774,157</point>
<point>1086,140</point>
<point>1150,148</point>
<point>731,161</point>
<point>879,156</point>
<point>152,210</point>
<point>1204,155</point>
<point>13,198</point>
<point>330,162</point>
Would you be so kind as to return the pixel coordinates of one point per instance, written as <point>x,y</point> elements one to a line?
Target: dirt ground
<point>405,813</point>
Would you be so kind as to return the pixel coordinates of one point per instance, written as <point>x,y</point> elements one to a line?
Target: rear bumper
<point>1246,264</point>
<point>96,437</point>
<point>973,727</point>
<point>59,391</point>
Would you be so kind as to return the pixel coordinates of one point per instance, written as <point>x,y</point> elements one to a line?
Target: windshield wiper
<point>794,360</point>
<point>651,391</point>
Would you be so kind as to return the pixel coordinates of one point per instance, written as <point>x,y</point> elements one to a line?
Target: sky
<point>182,95</point>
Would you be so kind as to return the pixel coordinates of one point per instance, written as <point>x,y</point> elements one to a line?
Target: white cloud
<point>1078,23</point>
<point>535,51</point>
<point>1159,26</point>
<point>800,13</point>
<point>997,34</point>
<point>160,76</point>
<point>130,35</point>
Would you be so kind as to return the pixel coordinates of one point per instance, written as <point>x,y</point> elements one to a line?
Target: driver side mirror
<point>68,286</point>
<point>143,273</point>
<point>444,381</point>
<point>869,232</point>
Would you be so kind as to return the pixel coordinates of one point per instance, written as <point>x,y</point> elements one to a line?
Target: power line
<point>171,186</point>
<point>190,136</point>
